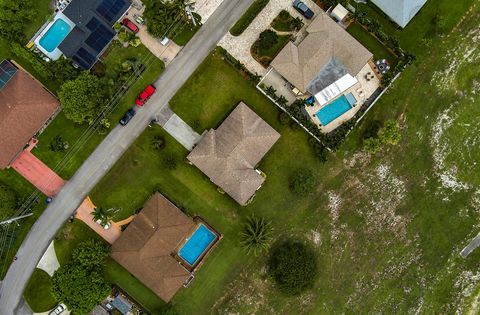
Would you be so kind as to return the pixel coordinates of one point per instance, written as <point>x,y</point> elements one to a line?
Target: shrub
<point>8,201</point>
<point>293,266</point>
<point>284,118</point>
<point>302,182</point>
<point>161,15</point>
<point>390,133</point>
<point>248,17</point>
<point>170,162</point>
<point>372,145</point>
<point>58,144</point>
<point>256,235</point>
<point>267,39</point>
<point>158,142</point>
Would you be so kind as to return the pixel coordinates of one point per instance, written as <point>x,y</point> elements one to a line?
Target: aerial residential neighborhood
<point>239,157</point>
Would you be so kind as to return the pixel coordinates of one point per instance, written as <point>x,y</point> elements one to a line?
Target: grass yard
<point>72,132</point>
<point>38,292</point>
<point>378,50</point>
<point>284,22</point>
<point>42,13</point>
<point>248,17</point>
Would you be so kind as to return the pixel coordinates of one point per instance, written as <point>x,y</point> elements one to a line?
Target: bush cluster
<point>388,134</point>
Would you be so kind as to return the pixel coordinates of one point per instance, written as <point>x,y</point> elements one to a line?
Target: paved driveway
<point>239,46</point>
<point>110,150</point>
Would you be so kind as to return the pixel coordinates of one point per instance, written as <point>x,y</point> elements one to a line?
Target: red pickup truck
<point>130,25</point>
<point>145,95</point>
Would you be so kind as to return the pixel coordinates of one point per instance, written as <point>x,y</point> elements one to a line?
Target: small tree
<point>293,266</point>
<point>170,162</point>
<point>158,142</point>
<point>267,39</point>
<point>302,182</point>
<point>83,98</point>
<point>297,23</point>
<point>372,145</point>
<point>58,144</point>
<point>100,215</point>
<point>256,234</point>
<point>390,133</point>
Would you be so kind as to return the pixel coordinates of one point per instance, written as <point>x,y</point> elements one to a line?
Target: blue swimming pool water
<point>333,110</point>
<point>197,244</point>
<point>55,35</point>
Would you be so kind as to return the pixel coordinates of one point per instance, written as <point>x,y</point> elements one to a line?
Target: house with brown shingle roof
<point>229,154</point>
<point>25,108</point>
<point>326,57</point>
<point>148,248</point>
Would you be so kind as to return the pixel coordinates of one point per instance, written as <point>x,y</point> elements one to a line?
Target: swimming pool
<point>198,243</point>
<point>55,35</point>
<point>334,110</point>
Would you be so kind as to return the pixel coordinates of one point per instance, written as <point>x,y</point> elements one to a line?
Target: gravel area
<point>239,46</point>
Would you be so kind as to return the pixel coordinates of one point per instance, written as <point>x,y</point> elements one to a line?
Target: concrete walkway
<point>177,128</point>
<point>471,246</point>
<point>37,173</point>
<point>239,46</point>
<point>49,262</point>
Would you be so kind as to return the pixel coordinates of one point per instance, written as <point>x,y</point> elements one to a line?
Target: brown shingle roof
<point>228,155</point>
<point>145,248</point>
<point>325,40</point>
<point>25,106</point>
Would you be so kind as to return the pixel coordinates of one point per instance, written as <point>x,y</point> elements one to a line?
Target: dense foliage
<point>14,15</point>
<point>8,201</point>
<point>58,144</point>
<point>256,234</point>
<point>293,266</point>
<point>388,134</point>
<point>303,182</point>
<point>162,15</point>
<point>80,283</point>
<point>248,17</point>
<point>83,98</point>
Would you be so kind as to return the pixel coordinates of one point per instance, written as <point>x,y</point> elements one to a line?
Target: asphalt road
<point>110,150</point>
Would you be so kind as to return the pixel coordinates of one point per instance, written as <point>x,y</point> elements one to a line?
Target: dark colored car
<point>127,117</point>
<point>130,25</point>
<point>145,95</point>
<point>303,9</point>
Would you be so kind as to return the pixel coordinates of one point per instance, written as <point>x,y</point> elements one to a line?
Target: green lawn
<point>378,50</point>
<point>42,14</point>
<point>185,32</point>
<point>72,132</point>
<point>248,17</point>
<point>38,292</point>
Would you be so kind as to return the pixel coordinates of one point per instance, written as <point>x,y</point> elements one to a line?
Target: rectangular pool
<point>198,243</point>
<point>55,35</point>
<point>333,110</point>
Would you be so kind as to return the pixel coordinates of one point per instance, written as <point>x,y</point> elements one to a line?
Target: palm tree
<point>256,235</point>
<point>101,216</point>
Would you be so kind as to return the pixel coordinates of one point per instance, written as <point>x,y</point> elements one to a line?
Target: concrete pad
<point>49,262</point>
<point>182,132</point>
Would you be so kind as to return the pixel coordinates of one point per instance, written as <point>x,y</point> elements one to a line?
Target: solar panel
<point>109,9</point>
<point>84,58</point>
<point>7,71</point>
<point>93,24</point>
<point>99,38</point>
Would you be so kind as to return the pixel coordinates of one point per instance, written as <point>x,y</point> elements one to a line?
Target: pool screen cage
<point>7,71</point>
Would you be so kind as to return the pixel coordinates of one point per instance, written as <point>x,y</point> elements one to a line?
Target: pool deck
<point>56,53</point>
<point>361,90</point>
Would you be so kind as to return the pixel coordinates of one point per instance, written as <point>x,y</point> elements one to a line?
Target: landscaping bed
<point>284,22</point>
<point>264,50</point>
<point>248,17</point>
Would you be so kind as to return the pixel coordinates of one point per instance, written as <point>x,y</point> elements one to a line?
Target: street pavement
<point>110,150</point>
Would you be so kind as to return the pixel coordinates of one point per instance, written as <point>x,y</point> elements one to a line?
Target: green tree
<point>161,15</point>
<point>303,182</point>
<point>158,142</point>
<point>8,201</point>
<point>372,145</point>
<point>267,39</point>
<point>293,266</point>
<point>80,283</point>
<point>256,235</point>
<point>14,15</point>
<point>99,214</point>
<point>58,144</point>
<point>83,98</point>
<point>170,162</point>
<point>390,133</point>
<point>62,70</point>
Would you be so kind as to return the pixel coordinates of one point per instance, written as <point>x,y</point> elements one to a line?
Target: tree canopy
<point>162,15</point>
<point>83,98</point>
<point>14,15</point>
<point>80,283</point>
<point>8,201</point>
<point>293,266</point>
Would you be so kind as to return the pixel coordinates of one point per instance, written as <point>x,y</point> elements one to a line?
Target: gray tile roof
<point>400,11</point>
<point>229,154</point>
<point>326,47</point>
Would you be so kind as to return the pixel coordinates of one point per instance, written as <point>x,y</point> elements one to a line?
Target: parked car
<point>57,310</point>
<point>139,19</point>
<point>165,41</point>
<point>303,9</point>
<point>130,25</point>
<point>145,95</point>
<point>127,117</point>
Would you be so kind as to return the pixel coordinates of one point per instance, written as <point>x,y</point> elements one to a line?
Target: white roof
<point>400,11</point>
<point>335,89</point>
<point>340,12</point>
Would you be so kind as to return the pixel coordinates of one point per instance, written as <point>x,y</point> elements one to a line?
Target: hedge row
<point>248,17</point>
